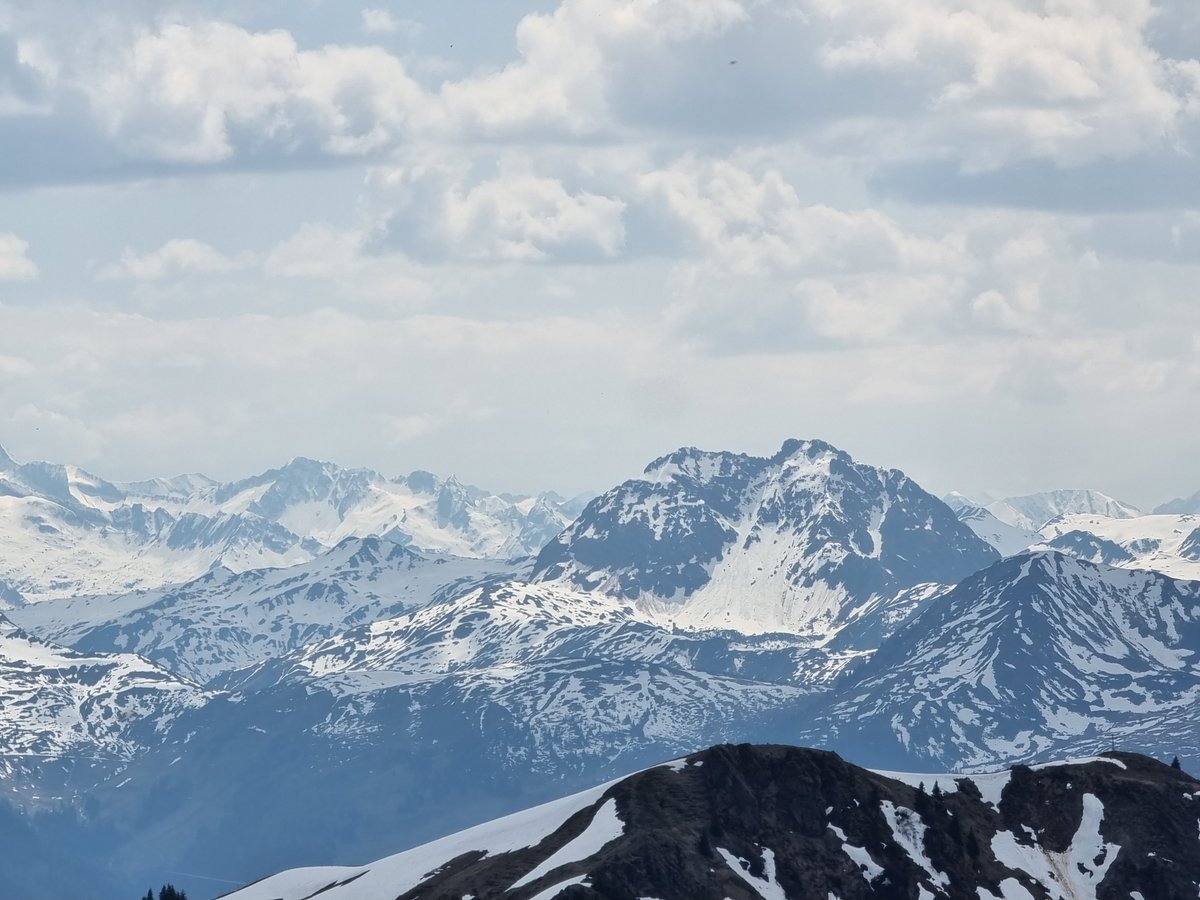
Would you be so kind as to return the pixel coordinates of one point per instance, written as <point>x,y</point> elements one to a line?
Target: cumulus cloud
<point>179,256</point>
<point>981,85</point>
<point>15,264</point>
<point>203,92</point>
<point>561,80</point>
<point>1012,80</point>
<point>514,217</point>
<point>756,223</point>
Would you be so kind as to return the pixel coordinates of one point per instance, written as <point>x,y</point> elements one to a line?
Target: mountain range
<point>70,533</point>
<point>381,690</point>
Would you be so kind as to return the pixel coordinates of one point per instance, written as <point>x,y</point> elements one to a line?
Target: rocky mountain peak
<point>752,543</point>
<point>746,822</point>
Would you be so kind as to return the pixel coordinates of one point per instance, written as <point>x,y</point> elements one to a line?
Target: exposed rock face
<point>749,822</point>
<point>1039,656</point>
<point>794,542</point>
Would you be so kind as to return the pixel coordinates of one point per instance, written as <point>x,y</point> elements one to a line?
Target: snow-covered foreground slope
<point>773,823</point>
<point>67,533</point>
<point>1038,655</point>
<point>395,875</point>
<point>1163,543</point>
<point>224,620</point>
<point>797,542</point>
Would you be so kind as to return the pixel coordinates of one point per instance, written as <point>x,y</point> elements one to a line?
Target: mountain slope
<point>62,710</point>
<point>69,533</point>
<point>1182,506</point>
<point>1007,539</point>
<point>1169,544</point>
<point>771,823</point>
<point>791,543</point>
<point>1039,655</point>
<point>224,621</point>
<point>1031,511</point>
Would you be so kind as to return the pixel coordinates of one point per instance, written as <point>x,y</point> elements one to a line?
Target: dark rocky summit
<point>769,822</point>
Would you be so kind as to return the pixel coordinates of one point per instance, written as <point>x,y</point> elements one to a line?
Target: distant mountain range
<point>69,533</point>
<point>381,690</point>
<point>225,620</point>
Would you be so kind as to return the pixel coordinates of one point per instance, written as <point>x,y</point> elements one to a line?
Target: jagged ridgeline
<point>781,823</point>
<point>404,678</point>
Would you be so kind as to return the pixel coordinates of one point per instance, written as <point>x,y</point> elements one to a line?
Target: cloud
<point>755,223</point>
<point>438,214</point>
<point>316,250</point>
<point>561,79</point>
<point>58,431</point>
<point>1161,180</point>
<point>179,256</point>
<point>205,92</point>
<point>381,21</point>
<point>15,264</point>
<point>1011,80</point>
<point>970,87</point>
<point>23,90</point>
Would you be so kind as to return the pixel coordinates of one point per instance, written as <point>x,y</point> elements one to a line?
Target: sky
<point>537,245</point>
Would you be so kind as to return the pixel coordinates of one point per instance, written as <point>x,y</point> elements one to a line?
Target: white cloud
<point>15,367</point>
<point>15,264</point>
<point>316,250</point>
<point>983,82</point>
<point>756,224</point>
<point>381,21</point>
<point>515,217</point>
<point>176,257</point>
<point>561,77</point>
<point>1005,80</point>
<point>60,431</point>
<point>201,93</point>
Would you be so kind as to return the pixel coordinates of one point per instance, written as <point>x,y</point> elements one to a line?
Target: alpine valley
<point>206,683</point>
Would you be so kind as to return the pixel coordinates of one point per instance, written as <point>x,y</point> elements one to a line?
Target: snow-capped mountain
<point>510,626</point>
<point>771,823</point>
<point>374,694</point>
<point>1163,543</point>
<point>405,729</point>
<point>327,503</point>
<point>67,532</point>
<point>1031,511</point>
<point>575,672</point>
<point>795,542</point>
<point>1038,655</point>
<point>1183,506</point>
<point>228,620</point>
<point>62,709</point>
<point>1007,539</point>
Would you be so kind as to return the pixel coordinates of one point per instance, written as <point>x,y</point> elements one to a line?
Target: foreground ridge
<point>776,822</point>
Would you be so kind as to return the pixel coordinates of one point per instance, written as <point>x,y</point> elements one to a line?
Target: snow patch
<point>767,887</point>
<point>605,827</point>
